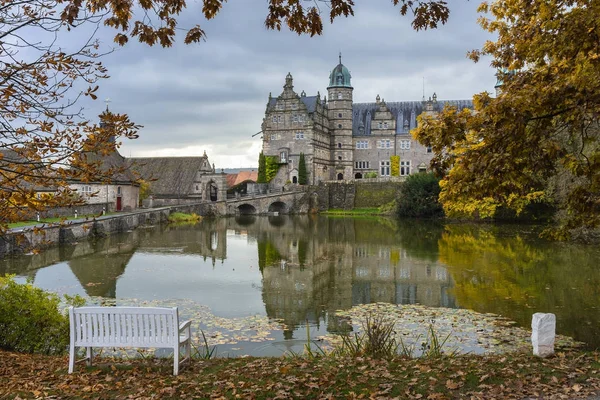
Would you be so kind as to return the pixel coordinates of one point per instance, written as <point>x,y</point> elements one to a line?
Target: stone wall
<point>349,195</point>
<point>375,194</point>
<point>26,239</point>
<point>85,209</point>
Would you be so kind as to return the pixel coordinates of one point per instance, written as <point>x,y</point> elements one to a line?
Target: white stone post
<point>543,328</point>
<point>75,213</point>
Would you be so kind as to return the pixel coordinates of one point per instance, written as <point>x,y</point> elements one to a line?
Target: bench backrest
<point>124,326</point>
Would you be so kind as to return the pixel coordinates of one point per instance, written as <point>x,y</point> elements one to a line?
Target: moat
<point>257,284</point>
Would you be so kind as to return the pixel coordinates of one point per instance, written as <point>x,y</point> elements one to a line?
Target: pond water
<point>259,285</point>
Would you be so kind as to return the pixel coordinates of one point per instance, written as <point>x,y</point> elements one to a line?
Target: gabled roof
<point>170,176</point>
<point>403,111</point>
<point>116,162</point>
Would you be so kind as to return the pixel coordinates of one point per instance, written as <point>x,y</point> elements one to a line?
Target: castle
<point>343,140</point>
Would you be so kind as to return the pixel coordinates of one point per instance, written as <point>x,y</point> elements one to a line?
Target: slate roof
<point>309,101</point>
<point>169,176</point>
<point>115,161</point>
<point>362,114</point>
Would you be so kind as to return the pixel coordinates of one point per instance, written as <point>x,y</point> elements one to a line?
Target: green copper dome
<point>340,76</point>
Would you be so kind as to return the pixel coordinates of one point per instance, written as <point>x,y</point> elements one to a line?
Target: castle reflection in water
<point>310,266</point>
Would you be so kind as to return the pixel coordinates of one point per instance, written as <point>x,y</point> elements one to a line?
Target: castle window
<point>385,168</point>
<point>379,125</point>
<point>361,165</point>
<point>274,118</point>
<point>299,135</point>
<point>86,191</point>
<point>384,144</point>
<point>294,106</point>
<point>339,115</point>
<point>279,118</point>
<point>273,136</point>
<point>294,118</point>
<point>339,126</point>
<point>340,158</point>
<point>339,145</point>
<point>385,125</point>
<point>429,149</point>
<point>283,157</point>
<point>404,168</point>
<point>340,96</point>
<point>405,145</point>
<point>362,144</point>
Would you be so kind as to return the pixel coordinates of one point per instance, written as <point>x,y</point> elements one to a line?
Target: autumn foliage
<point>538,140</point>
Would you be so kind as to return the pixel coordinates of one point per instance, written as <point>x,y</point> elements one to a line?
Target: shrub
<point>262,169</point>
<point>302,173</point>
<point>419,197</point>
<point>30,318</point>
<point>178,217</point>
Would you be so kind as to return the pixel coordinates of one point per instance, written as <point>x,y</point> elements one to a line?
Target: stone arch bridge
<point>279,202</point>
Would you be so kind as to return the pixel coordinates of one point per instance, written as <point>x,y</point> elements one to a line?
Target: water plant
<point>204,351</point>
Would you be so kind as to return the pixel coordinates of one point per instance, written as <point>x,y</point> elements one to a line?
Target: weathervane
<point>108,100</point>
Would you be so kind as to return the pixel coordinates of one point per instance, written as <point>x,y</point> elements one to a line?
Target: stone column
<point>543,328</point>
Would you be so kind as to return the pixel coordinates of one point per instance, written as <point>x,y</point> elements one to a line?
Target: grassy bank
<point>354,211</point>
<point>56,220</point>
<point>178,218</point>
<point>566,375</point>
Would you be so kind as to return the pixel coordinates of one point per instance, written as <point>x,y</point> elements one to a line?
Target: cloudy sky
<point>212,95</point>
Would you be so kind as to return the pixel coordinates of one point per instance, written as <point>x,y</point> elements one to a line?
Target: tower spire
<point>340,57</point>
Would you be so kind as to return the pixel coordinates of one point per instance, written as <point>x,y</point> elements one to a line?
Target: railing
<point>267,192</point>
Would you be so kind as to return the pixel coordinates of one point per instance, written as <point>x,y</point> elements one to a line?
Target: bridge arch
<point>279,207</point>
<point>246,209</point>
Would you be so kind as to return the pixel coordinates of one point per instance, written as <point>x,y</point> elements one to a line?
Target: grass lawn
<point>566,375</point>
<point>21,224</point>
<point>354,211</point>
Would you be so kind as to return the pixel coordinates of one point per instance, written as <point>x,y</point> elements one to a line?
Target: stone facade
<point>118,196</point>
<point>343,140</point>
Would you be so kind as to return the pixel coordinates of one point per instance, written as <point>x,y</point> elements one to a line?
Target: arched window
<point>295,179</point>
<point>340,96</point>
<point>340,177</point>
<point>339,145</point>
<point>358,175</point>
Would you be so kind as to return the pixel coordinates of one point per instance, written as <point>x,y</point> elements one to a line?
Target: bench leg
<point>176,360</point>
<point>90,356</point>
<point>188,345</point>
<point>71,358</point>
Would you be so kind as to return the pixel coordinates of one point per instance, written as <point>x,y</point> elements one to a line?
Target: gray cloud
<point>212,95</point>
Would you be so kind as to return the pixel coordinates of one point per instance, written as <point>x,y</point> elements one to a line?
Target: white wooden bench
<point>128,327</point>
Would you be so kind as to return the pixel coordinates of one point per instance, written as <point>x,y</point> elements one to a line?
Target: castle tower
<point>340,121</point>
